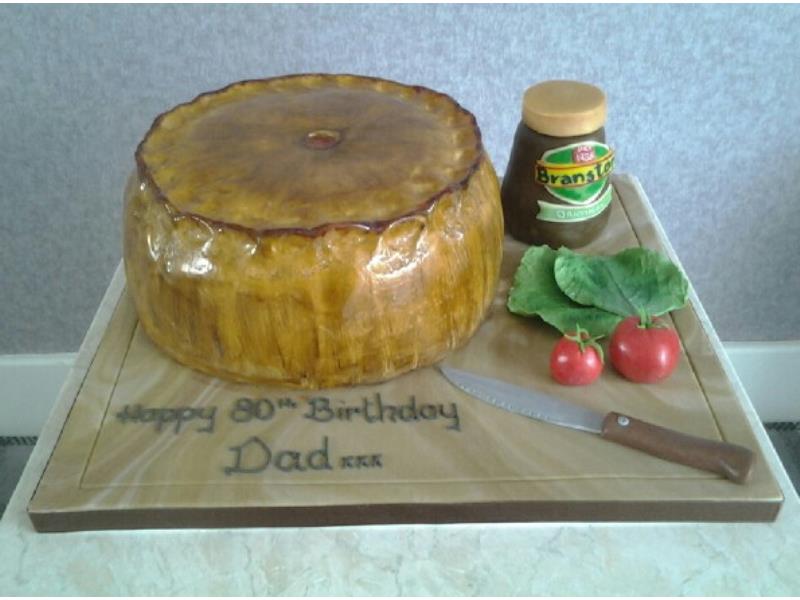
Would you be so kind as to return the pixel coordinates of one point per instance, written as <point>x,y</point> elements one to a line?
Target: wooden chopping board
<point>150,443</point>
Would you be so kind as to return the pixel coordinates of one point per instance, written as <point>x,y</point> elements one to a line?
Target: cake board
<point>150,443</point>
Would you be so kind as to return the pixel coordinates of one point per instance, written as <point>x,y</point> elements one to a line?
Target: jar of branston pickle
<point>556,188</point>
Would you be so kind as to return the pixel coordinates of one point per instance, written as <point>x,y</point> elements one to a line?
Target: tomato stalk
<point>646,321</point>
<point>584,341</point>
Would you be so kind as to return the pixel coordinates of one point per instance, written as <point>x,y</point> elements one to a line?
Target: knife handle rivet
<point>623,421</point>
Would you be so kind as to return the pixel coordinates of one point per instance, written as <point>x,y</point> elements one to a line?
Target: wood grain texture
<point>497,466</point>
<point>255,255</point>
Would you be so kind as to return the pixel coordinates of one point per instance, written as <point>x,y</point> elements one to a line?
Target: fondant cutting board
<point>150,443</point>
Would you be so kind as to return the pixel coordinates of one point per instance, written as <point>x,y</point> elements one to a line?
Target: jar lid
<point>564,108</point>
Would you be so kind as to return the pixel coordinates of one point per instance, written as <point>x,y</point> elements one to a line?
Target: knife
<point>729,460</point>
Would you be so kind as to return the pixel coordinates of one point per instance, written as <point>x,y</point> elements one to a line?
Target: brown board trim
<point>408,514</point>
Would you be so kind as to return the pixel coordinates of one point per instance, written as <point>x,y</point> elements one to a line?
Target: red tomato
<point>576,359</point>
<point>644,354</point>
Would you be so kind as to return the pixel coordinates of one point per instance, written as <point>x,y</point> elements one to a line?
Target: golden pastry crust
<point>393,149</point>
<point>313,230</point>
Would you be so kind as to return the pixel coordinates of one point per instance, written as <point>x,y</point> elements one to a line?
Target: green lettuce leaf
<point>535,293</point>
<point>633,282</point>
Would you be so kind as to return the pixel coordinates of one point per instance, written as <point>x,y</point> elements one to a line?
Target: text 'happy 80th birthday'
<point>256,455</point>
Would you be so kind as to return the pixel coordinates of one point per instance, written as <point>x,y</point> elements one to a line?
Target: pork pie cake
<point>312,230</point>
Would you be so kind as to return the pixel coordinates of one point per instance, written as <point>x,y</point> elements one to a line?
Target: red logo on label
<point>583,154</point>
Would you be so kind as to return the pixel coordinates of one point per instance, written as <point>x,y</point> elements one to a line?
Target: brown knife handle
<point>729,460</point>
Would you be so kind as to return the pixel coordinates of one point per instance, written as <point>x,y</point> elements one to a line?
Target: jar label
<point>577,173</point>
<point>567,213</point>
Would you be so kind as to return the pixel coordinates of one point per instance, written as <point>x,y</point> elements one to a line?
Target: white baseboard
<point>30,383</point>
<point>29,386</point>
<point>770,372</point>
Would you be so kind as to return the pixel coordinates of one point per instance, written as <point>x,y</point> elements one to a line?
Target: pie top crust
<point>305,153</point>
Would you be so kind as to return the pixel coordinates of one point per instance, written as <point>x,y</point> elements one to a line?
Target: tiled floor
<point>14,453</point>
<point>786,439</point>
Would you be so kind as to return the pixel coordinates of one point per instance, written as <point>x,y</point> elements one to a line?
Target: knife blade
<point>728,460</point>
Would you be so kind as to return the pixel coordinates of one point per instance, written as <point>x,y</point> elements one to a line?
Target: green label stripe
<point>561,213</point>
<point>581,196</point>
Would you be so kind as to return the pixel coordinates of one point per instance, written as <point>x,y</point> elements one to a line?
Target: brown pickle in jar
<point>556,188</point>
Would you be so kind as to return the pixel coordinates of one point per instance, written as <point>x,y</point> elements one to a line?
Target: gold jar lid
<point>564,108</point>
